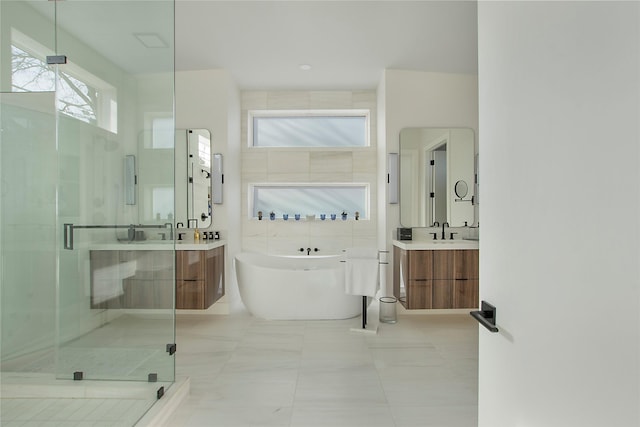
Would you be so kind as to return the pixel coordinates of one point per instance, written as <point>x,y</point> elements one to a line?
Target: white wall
<point>559,253</point>
<point>209,99</point>
<point>309,165</point>
<point>419,99</point>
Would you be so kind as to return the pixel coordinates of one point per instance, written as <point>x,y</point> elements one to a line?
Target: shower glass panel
<point>27,209</point>
<point>116,277</point>
<point>85,293</point>
<point>27,235</point>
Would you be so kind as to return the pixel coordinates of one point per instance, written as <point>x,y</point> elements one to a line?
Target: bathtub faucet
<point>308,250</point>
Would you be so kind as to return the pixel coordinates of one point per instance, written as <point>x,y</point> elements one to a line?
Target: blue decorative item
<point>272,216</point>
<point>333,217</point>
<point>344,215</point>
<point>285,216</point>
<point>323,217</point>
<point>297,216</point>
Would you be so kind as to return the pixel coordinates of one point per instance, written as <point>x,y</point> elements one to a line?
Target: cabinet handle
<point>486,316</point>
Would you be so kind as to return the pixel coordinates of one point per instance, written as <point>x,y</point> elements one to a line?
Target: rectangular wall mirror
<point>436,176</point>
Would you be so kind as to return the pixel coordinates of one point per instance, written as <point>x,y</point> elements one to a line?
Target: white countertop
<point>410,245</point>
<point>159,245</point>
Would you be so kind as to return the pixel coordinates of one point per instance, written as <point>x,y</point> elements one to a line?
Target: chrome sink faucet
<point>443,224</point>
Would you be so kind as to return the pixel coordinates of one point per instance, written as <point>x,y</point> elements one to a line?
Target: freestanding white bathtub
<point>294,288</point>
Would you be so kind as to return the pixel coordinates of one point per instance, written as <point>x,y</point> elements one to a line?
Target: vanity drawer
<point>466,293</point>
<point>420,265</point>
<point>190,294</point>
<point>419,294</point>
<point>190,265</point>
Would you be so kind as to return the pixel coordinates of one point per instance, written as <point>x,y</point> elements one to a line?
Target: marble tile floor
<point>420,371</point>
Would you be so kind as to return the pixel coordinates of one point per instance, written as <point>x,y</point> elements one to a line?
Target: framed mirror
<point>436,176</point>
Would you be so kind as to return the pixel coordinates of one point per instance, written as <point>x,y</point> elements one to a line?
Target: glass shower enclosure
<point>87,254</point>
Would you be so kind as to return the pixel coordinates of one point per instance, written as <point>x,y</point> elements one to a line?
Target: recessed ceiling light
<point>305,67</point>
<point>150,40</point>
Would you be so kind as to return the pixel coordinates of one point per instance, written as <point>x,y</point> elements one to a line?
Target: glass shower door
<point>86,186</point>
<point>27,234</point>
<point>115,191</point>
<point>27,208</point>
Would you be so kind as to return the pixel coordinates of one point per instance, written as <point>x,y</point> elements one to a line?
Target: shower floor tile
<point>125,351</point>
<point>86,403</point>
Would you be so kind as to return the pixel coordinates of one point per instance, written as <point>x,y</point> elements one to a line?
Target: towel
<point>362,271</point>
<point>107,281</point>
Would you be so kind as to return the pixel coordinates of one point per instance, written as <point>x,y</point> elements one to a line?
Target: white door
<point>559,254</point>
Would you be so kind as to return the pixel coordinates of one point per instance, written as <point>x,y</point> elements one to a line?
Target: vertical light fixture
<point>392,177</point>
<point>130,180</point>
<point>217,179</point>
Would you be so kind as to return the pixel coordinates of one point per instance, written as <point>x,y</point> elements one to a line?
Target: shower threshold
<point>41,398</point>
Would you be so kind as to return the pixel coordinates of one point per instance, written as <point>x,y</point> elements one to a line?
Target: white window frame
<point>310,113</point>
<point>106,108</point>
<point>364,215</point>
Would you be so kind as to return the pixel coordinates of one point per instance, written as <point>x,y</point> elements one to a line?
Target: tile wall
<point>312,165</point>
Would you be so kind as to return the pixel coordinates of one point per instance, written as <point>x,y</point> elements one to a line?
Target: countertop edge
<point>431,245</point>
<point>148,246</point>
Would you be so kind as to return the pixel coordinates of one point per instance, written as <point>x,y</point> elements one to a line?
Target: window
<point>80,94</point>
<point>310,199</point>
<point>162,132</point>
<point>309,128</point>
<point>162,202</point>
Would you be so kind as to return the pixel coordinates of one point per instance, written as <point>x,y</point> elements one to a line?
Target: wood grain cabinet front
<point>131,279</point>
<point>431,279</point>
<point>145,279</point>
<point>199,278</point>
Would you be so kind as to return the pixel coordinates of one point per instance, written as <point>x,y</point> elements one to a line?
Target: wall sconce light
<point>130,180</point>
<point>217,179</point>
<point>392,177</point>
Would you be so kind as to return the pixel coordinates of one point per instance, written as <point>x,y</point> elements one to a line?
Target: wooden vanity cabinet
<point>466,279</point>
<point>434,279</point>
<point>199,278</point>
<point>413,278</point>
<point>131,279</point>
<point>145,279</point>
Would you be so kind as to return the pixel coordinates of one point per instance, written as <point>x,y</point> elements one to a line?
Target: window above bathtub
<point>309,199</point>
<point>309,128</point>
